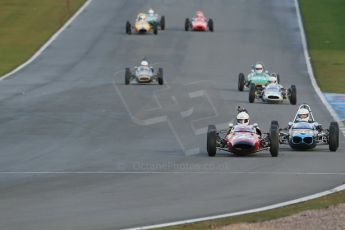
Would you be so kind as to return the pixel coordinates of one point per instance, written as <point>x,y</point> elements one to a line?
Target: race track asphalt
<point>81,150</point>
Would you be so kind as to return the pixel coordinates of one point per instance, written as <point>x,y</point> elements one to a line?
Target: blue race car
<point>305,133</point>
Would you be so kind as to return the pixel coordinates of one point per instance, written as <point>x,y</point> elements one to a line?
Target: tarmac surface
<point>81,150</point>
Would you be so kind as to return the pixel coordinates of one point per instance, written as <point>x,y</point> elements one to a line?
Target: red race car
<point>242,140</point>
<point>199,23</point>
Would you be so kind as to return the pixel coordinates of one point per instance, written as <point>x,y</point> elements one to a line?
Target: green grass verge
<point>324,22</point>
<point>25,25</point>
<point>319,203</point>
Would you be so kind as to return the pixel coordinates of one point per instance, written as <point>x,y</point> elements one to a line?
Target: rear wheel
<point>293,95</point>
<point>128,28</point>
<point>127,76</point>
<point>252,89</point>
<point>211,140</point>
<point>275,124</point>
<point>333,139</point>
<point>186,24</point>
<point>160,76</point>
<point>210,24</point>
<point>274,140</point>
<point>162,23</point>
<point>278,79</point>
<point>241,81</point>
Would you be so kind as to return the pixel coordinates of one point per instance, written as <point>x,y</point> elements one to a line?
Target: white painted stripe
<point>303,199</point>
<point>49,42</point>
<point>172,172</point>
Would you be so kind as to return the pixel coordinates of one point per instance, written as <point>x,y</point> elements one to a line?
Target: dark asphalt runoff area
<point>81,150</point>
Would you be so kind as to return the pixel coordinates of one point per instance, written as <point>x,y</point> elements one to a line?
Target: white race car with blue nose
<point>304,135</point>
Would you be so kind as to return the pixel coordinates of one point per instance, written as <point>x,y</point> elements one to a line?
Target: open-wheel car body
<point>305,135</point>
<point>143,74</point>
<point>242,140</point>
<point>199,23</point>
<point>272,93</point>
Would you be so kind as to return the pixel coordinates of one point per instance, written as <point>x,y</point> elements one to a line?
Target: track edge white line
<point>266,208</point>
<point>48,43</point>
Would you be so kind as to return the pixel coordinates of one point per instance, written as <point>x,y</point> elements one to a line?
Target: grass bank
<point>25,25</point>
<point>324,23</point>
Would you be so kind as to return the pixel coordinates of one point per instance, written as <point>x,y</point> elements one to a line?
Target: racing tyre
<point>210,24</point>
<point>160,76</point>
<point>162,23</point>
<point>186,24</point>
<point>211,140</point>
<point>241,81</point>
<point>128,28</point>
<point>127,76</point>
<point>252,89</point>
<point>274,137</point>
<point>293,95</point>
<point>275,124</point>
<point>155,29</point>
<point>333,139</point>
<point>278,79</point>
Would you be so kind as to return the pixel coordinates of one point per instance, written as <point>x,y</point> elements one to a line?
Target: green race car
<point>154,19</point>
<point>258,76</point>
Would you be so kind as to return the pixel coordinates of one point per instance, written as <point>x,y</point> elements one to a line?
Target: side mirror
<point>231,125</point>
<point>290,124</point>
<point>316,124</point>
<point>255,125</point>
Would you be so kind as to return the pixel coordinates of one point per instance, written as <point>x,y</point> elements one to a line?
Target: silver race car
<point>273,92</point>
<point>143,74</point>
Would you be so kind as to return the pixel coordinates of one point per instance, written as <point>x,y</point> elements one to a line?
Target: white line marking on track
<point>172,172</point>
<point>299,200</point>
<point>49,42</point>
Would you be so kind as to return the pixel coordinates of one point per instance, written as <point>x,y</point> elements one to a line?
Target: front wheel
<point>160,76</point>
<point>128,28</point>
<point>211,140</point>
<point>155,29</point>
<point>241,81</point>
<point>162,23</point>
<point>186,24</point>
<point>274,140</point>
<point>252,89</point>
<point>293,95</point>
<point>333,139</point>
<point>210,25</point>
<point>127,76</point>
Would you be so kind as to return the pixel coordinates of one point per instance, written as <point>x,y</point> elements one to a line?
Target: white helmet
<point>242,118</point>
<point>303,115</point>
<point>259,68</point>
<point>151,11</point>
<point>272,79</point>
<point>144,63</point>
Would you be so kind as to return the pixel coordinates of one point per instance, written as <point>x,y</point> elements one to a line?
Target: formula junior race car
<point>305,133</point>
<point>141,26</point>
<point>272,93</point>
<point>243,138</point>
<point>143,74</point>
<point>198,23</point>
<point>155,20</point>
<point>258,75</point>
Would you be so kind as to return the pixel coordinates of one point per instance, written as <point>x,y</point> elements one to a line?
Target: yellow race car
<point>141,26</point>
